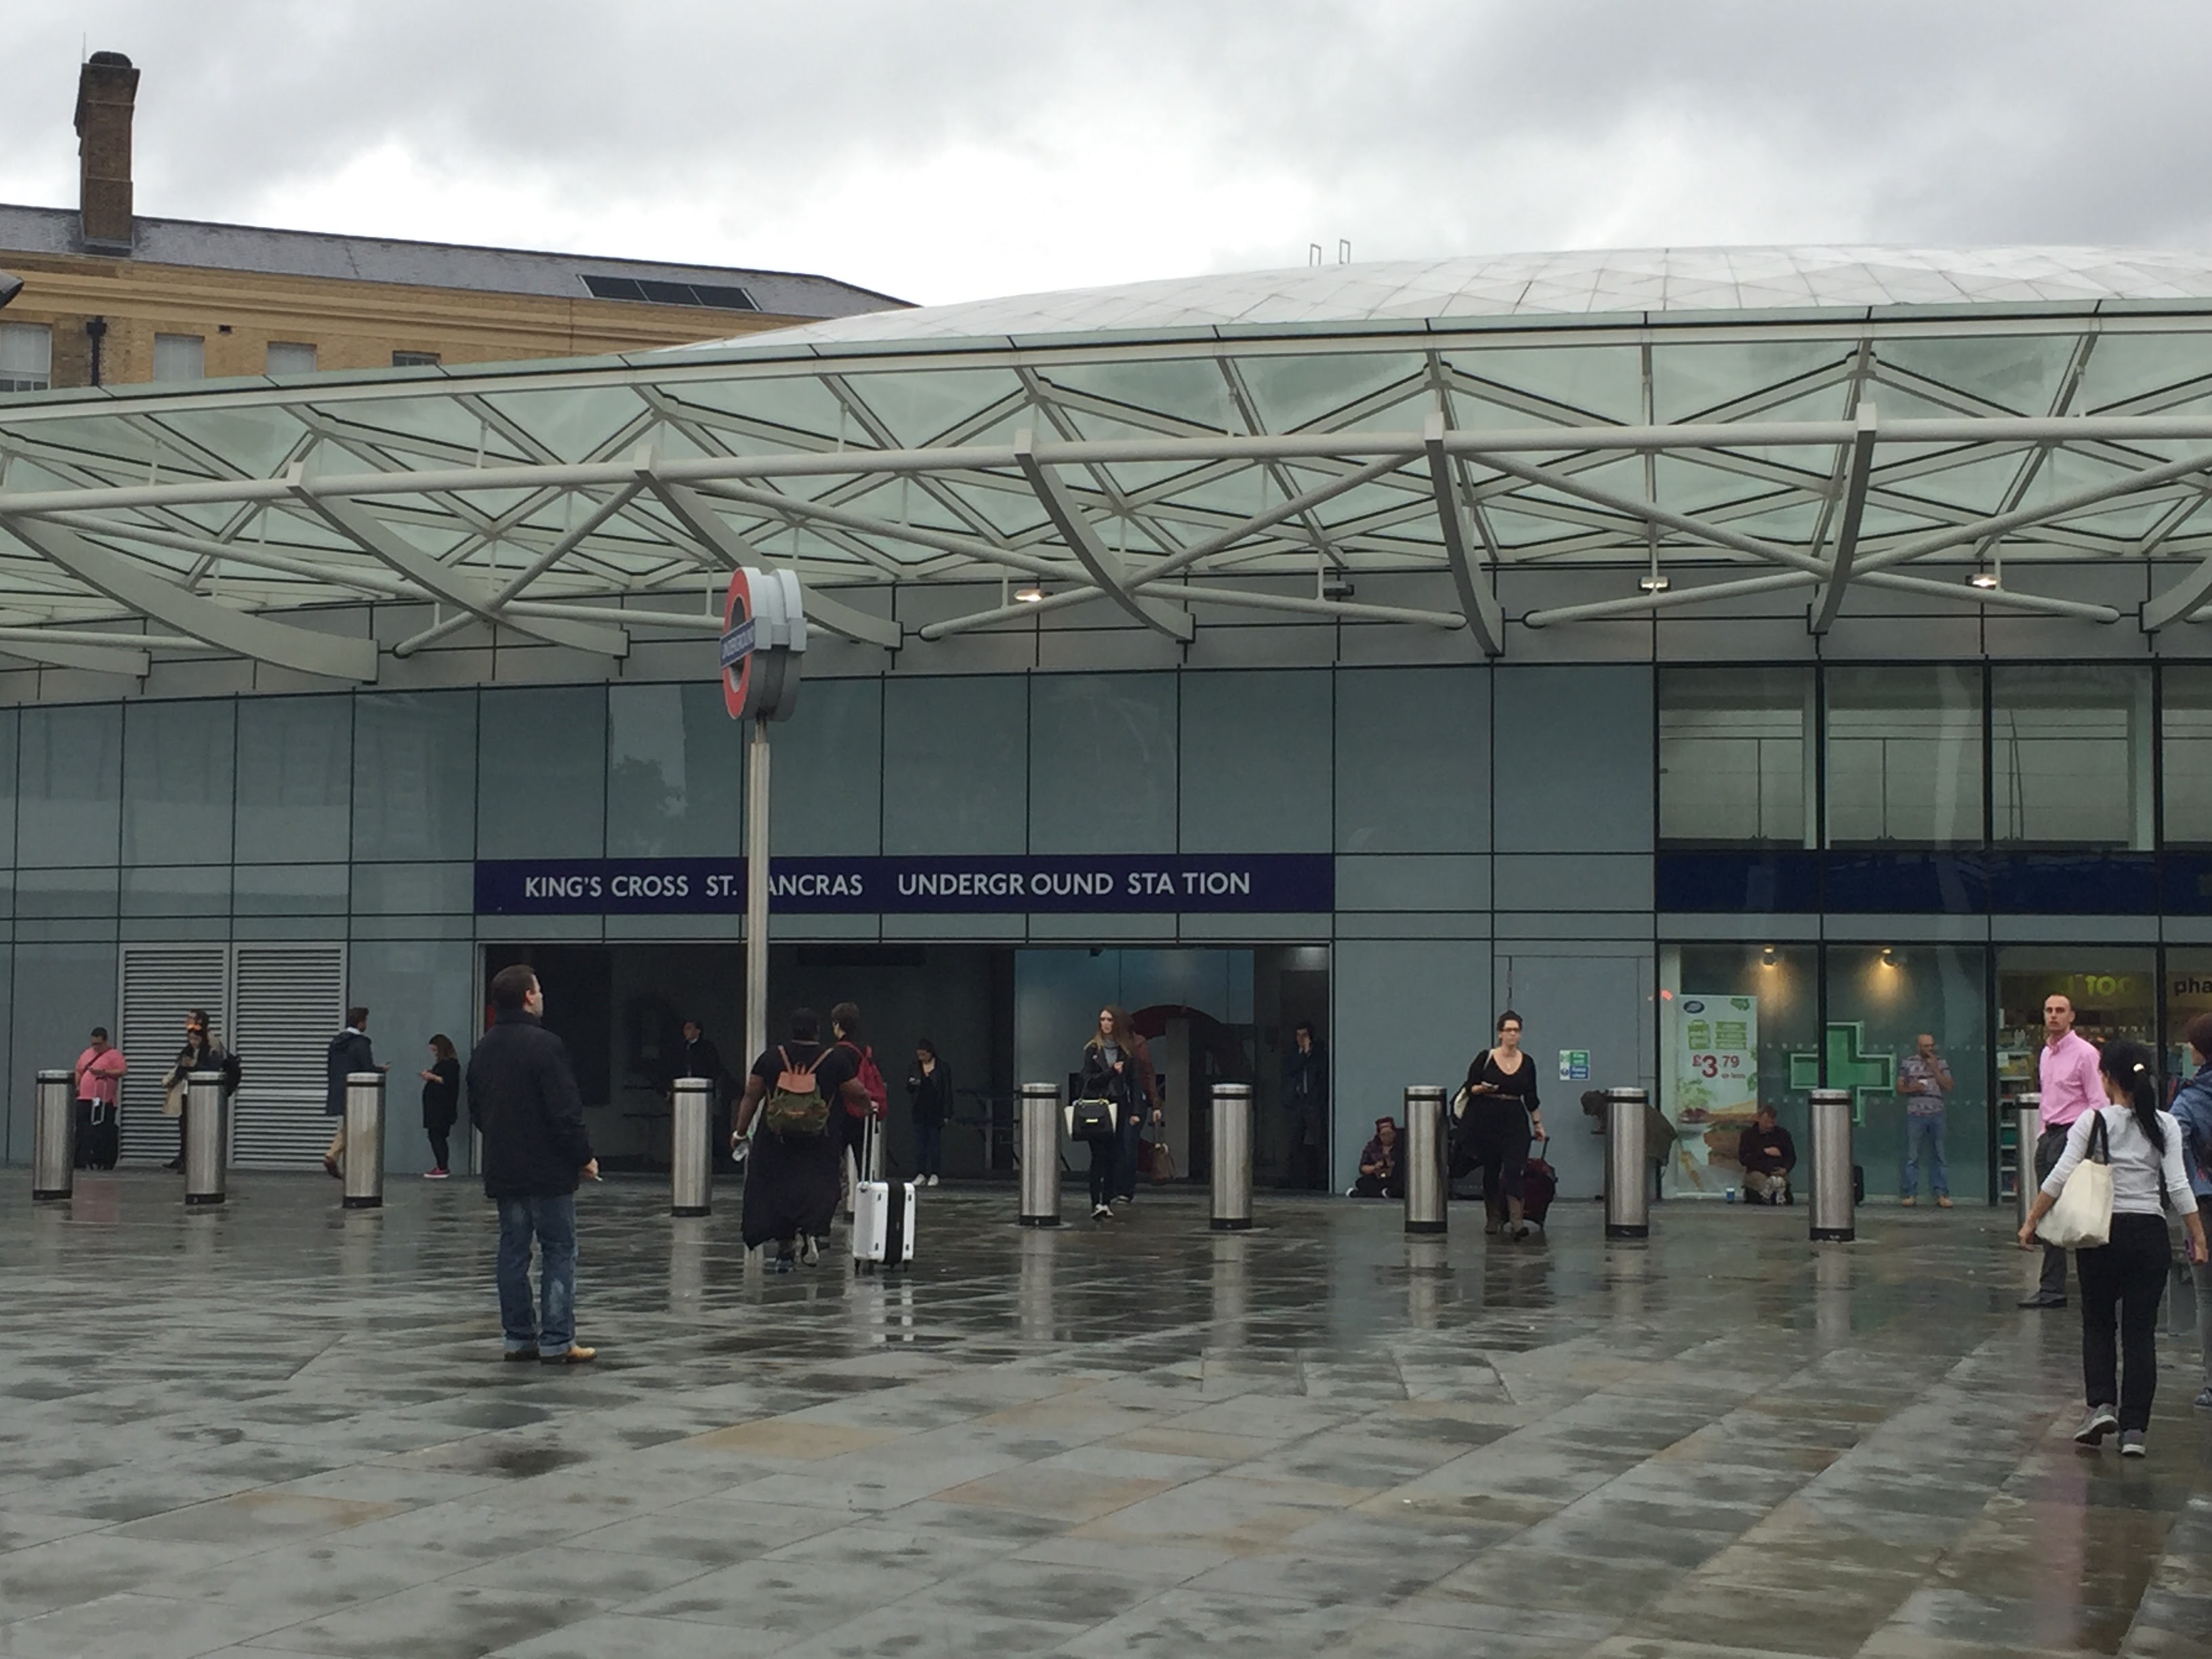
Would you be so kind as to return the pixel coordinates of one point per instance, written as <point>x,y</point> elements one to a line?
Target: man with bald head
<point>2067,1068</point>
<point>1923,1078</point>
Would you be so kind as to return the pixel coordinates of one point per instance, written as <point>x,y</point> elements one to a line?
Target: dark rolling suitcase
<point>103,1137</point>
<point>1539,1185</point>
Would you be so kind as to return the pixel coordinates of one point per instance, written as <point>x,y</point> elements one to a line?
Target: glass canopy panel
<point>920,407</point>
<point>1188,392</point>
<point>1691,381</point>
<point>1579,384</point>
<point>574,423</point>
<point>1293,393</point>
<point>2020,374</point>
<point>2128,368</point>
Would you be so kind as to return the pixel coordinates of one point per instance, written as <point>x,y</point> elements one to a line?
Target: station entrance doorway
<point>998,1015</point>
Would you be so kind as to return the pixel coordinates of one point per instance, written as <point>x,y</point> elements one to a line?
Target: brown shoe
<point>577,1355</point>
<point>1942,1203</point>
<point>1908,1202</point>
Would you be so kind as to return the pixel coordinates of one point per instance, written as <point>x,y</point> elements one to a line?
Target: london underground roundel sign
<point>763,637</point>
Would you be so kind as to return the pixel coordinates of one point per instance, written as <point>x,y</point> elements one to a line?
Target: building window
<point>2070,755</point>
<point>289,357</point>
<point>1904,756</point>
<point>2185,752</point>
<point>414,360</point>
<point>717,296</point>
<point>179,357</point>
<point>1735,756</point>
<point>26,356</point>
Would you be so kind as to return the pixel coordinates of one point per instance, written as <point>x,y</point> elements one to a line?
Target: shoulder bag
<point>2082,1219</point>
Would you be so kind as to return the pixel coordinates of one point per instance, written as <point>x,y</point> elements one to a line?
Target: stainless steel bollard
<point>1232,1157</point>
<point>53,1151</point>
<point>690,1156</point>
<point>364,1141</point>
<point>1040,1132</point>
<point>1627,1164</point>
<point>1831,1207</point>
<point>2028,1129</point>
<point>207,1144</point>
<point>1422,1164</point>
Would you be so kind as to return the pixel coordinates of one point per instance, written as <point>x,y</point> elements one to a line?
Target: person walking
<point>929,1100</point>
<point>852,1120</point>
<point>1498,1115</point>
<point>2123,1277</point>
<point>350,1052</point>
<point>2192,1110</point>
<point>442,1103</point>
<point>2067,1071</point>
<point>523,1095</point>
<point>1147,1102</point>
<point>1923,1078</point>
<point>100,1070</point>
<point>200,1052</point>
<point>794,1158</point>
<point>1305,1108</point>
<point>1117,1068</point>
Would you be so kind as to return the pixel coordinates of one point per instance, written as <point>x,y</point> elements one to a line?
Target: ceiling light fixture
<point>1888,957</point>
<point>1654,584</point>
<point>1982,578</point>
<point>1767,958</point>
<point>1030,595</point>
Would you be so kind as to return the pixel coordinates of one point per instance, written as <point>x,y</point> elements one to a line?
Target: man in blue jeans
<point>523,1095</point>
<point>1923,1078</point>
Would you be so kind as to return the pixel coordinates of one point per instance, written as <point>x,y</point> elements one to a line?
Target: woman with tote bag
<point>2123,1274</point>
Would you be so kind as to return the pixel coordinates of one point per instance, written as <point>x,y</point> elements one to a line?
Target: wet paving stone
<point>283,1428</point>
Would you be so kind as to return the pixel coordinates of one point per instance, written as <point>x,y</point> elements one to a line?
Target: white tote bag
<point>2082,1219</point>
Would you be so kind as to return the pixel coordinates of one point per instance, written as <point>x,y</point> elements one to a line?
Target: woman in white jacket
<point>2126,1275</point>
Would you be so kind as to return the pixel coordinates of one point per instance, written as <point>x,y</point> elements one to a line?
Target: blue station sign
<point>1276,883</point>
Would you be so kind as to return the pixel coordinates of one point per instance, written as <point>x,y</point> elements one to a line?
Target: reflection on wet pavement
<point>284,1428</point>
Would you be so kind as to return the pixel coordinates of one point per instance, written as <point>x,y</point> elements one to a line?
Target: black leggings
<point>2126,1278</point>
<point>1105,1168</point>
<point>1497,1145</point>
<point>441,1147</point>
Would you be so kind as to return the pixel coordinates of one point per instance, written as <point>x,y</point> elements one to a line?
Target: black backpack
<point>234,1072</point>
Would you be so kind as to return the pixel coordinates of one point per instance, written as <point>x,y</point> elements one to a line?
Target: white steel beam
<point>1829,600</point>
<point>697,515</point>
<point>131,584</point>
<point>1478,600</point>
<point>1105,567</point>
<point>34,645</point>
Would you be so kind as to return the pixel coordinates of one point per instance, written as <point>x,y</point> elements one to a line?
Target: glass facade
<point>1738,756</point>
<point>1904,756</point>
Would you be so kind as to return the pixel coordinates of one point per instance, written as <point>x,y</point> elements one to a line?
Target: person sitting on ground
<point>1378,1164</point>
<point>1768,1155</point>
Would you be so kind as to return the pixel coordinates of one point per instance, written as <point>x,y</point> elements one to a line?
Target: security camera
<point>1336,585</point>
<point>9,287</point>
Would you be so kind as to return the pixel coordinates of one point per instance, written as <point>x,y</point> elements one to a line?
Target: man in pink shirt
<point>100,1072</point>
<point>2071,1086</point>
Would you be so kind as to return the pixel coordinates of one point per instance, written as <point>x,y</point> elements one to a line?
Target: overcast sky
<point>957,149</point>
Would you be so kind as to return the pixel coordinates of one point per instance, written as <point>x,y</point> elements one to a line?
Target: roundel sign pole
<point>763,638</point>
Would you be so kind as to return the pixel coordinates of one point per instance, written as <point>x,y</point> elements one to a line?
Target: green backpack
<point>795,1106</point>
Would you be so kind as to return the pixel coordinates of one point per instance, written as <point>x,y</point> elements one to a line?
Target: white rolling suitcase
<point>883,1217</point>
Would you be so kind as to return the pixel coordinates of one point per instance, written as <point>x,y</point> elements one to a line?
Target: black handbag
<point>1092,1120</point>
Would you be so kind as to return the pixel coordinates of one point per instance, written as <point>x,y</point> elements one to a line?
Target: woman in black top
<point>929,1098</point>
<point>1497,1113</point>
<point>441,1103</point>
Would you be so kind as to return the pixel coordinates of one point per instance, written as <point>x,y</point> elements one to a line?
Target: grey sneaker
<point>2131,1444</point>
<point>2101,1422</point>
<point>2204,1402</point>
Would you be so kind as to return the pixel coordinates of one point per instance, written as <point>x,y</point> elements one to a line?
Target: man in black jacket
<point>350,1052</point>
<point>523,1095</point>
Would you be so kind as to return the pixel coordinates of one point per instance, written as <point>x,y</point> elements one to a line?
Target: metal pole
<point>1039,1146</point>
<point>53,1163</point>
<point>364,1141</point>
<point>1833,1210</point>
<point>756,889</point>
<point>691,1158</point>
<point>1422,1163</point>
<point>1232,1157</point>
<point>207,1140</point>
<point>2028,1129</point>
<point>1627,1166</point>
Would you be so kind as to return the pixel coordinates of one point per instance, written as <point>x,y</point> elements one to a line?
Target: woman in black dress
<point>1498,1115</point>
<point>441,1103</point>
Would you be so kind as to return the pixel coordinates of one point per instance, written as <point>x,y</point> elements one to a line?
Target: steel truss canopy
<point>1682,426</point>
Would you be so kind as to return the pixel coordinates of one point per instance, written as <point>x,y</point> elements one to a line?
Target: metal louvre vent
<point>159,982</point>
<point>290,1001</point>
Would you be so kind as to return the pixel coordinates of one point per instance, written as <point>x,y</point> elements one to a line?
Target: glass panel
<point>2114,994</point>
<point>177,765</point>
<point>1881,1002</point>
<point>61,992</point>
<point>2070,755</point>
<point>2185,752</point>
<point>2188,994</point>
<point>9,733</point>
<point>826,779</point>
<point>1737,1024</point>
<point>291,889</point>
<point>1735,756</point>
<point>542,773</point>
<point>178,890</point>
<point>675,773</point>
<point>955,765</point>
<point>415,785</point>
<point>1904,756</point>
<point>295,777</point>
<point>70,783</point>
<point>1102,764</point>
<point>1412,760</point>
<point>1255,761</point>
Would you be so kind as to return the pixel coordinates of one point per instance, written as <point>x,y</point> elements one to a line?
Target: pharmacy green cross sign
<point>1849,1066</point>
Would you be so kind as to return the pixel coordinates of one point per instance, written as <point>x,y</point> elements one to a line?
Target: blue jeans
<point>1927,1131</point>
<point>552,1220</point>
<point>929,1149</point>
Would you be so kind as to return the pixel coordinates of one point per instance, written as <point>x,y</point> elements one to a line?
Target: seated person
<point>1378,1164</point>
<point>1768,1155</point>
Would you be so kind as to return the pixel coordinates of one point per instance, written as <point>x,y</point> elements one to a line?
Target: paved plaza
<point>284,1429</point>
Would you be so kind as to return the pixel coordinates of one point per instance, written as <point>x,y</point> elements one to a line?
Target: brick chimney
<point>106,93</point>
